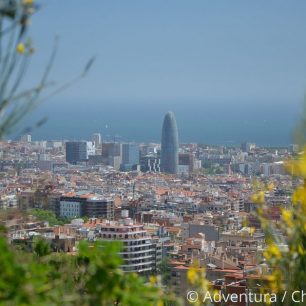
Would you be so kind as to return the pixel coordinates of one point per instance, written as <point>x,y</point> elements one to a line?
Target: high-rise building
<point>112,154</point>
<point>130,156</point>
<point>169,145</point>
<point>186,163</point>
<point>78,151</point>
<point>111,149</point>
<point>96,139</point>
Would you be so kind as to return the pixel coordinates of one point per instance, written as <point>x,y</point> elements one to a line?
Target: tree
<point>41,247</point>
<point>91,277</point>
<point>286,240</point>
<point>46,215</point>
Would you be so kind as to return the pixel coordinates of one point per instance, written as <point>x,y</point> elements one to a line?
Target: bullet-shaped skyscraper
<point>169,145</point>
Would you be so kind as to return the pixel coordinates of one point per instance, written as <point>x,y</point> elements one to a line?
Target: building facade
<point>140,254</point>
<point>79,151</point>
<point>169,145</point>
<point>96,139</point>
<point>130,156</point>
<point>89,205</point>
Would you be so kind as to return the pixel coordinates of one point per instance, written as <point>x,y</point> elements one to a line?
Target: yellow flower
<point>272,252</point>
<point>259,197</point>
<point>192,275</point>
<point>301,250</point>
<point>270,186</point>
<point>245,222</point>
<point>20,48</point>
<point>153,280</point>
<point>252,230</point>
<point>299,197</point>
<point>27,2</point>
<point>271,278</point>
<point>287,216</point>
<point>297,167</point>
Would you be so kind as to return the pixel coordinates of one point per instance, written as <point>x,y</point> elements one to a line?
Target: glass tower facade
<point>169,145</point>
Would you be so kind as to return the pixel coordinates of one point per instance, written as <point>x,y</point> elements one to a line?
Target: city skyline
<point>164,169</point>
<point>235,56</point>
<point>211,124</point>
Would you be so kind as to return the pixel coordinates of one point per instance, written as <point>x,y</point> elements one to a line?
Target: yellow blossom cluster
<point>286,240</point>
<point>272,251</point>
<point>196,276</point>
<point>25,48</point>
<point>20,48</point>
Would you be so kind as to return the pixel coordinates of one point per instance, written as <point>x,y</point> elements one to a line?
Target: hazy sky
<point>229,51</point>
<point>225,49</point>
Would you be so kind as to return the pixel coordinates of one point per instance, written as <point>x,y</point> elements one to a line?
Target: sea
<point>206,121</point>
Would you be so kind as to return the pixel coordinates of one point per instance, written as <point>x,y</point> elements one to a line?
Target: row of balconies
<point>138,270</point>
<point>132,242</point>
<point>138,264</point>
<point>133,258</point>
<point>121,236</point>
<point>122,230</point>
<point>136,255</point>
<point>142,250</point>
<point>133,245</point>
<point>135,249</point>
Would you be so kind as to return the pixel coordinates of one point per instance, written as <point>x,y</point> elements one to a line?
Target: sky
<point>235,55</point>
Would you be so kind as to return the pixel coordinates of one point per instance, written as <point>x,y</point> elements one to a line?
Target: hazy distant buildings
<point>112,154</point>
<point>188,163</point>
<point>44,163</point>
<point>150,163</point>
<point>26,138</point>
<point>267,169</point>
<point>130,156</point>
<point>79,151</point>
<point>54,144</point>
<point>150,158</point>
<point>149,149</point>
<point>248,146</point>
<point>96,139</point>
<point>294,148</point>
<point>169,145</point>
<point>111,149</point>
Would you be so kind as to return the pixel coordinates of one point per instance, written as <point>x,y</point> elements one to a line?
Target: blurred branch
<point>15,53</point>
<point>71,82</point>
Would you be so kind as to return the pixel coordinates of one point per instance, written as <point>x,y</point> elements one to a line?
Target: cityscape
<point>170,170</point>
<point>164,201</point>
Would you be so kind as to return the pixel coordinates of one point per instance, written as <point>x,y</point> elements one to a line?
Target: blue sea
<point>267,123</point>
